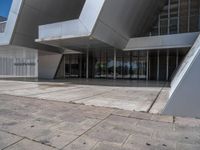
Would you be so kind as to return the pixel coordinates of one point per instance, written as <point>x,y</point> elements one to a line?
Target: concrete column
<point>147,78</point>
<point>179,8</point>
<point>87,64</point>
<point>115,64</point>
<point>177,58</point>
<point>189,12</point>
<point>159,25</point>
<point>64,72</point>
<point>169,11</point>
<point>158,65</point>
<point>167,72</point>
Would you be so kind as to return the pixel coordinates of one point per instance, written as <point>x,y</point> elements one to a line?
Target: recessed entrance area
<point>159,65</point>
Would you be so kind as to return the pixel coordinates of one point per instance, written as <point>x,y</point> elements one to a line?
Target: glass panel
<point>142,64</point>
<point>163,65</point>
<point>72,66</point>
<point>75,72</point>
<point>110,64</point>
<point>172,62</point>
<point>119,64</point>
<point>184,16</point>
<point>126,65</point>
<point>173,16</point>
<point>153,57</point>
<point>97,64</point>
<point>67,66</point>
<point>164,26</point>
<point>194,15</point>
<point>134,65</point>
<point>103,65</point>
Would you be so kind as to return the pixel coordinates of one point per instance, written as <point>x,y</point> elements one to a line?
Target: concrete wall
<point>121,20</point>
<point>18,62</point>
<point>184,95</point>
<point>47,65</point>
<point>163,41</point>
<point>101,22</point>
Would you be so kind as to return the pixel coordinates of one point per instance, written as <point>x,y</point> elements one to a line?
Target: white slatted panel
<point>18,63</point>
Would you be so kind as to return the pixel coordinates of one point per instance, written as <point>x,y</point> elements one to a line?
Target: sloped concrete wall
<point>47,65</point>
<point>185,91</point>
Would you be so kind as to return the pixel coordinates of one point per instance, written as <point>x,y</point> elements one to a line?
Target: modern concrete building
<point>110,39</point>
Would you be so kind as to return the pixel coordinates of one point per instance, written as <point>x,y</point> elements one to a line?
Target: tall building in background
<point>125,39</point>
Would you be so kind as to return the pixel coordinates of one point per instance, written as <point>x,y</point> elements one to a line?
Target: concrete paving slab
<point>7,139</point>
<point>27,144</point>
<point>82,143</point>
<point>71,95</point>
<point>56,139</point>
<point>59,125</point>
<point>148,143</point>
<point>76,128</point>
<point>125,95</point>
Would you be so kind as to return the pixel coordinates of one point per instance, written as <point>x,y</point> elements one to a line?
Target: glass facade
<point>178,16</point>
<point>132,65</point>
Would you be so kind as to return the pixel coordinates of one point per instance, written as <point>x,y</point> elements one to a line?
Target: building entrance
<point>134,65</point>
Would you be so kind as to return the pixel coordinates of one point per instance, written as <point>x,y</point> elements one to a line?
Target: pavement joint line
<point>53,91</point>
<point>125,140</point>
<point>92,96</point>
<point>92,148</point>
<point>142,118</point>
<point>47,100</point>
<point>16,89</point>
<point>154,101</point>
<point>13,144</point>
<point>87,131</point>
<point>37,93</point>
<point>24,137</point>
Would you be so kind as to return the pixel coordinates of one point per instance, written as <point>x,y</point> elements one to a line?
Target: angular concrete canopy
<point>102,23</point>
<point>162,41</point>
<point>26,15</point>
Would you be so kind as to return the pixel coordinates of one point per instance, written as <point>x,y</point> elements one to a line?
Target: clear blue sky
<point>5,7</point>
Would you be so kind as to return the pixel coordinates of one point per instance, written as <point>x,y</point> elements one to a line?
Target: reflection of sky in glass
<point>5,7</point>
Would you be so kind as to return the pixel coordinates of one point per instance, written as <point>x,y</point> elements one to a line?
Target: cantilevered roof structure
<point>25,16</point>
<point>102,23</point>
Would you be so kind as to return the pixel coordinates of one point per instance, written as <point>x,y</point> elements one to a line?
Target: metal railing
<point>2,26</point>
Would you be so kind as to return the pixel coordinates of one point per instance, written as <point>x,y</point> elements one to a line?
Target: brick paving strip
<point>27,124</point>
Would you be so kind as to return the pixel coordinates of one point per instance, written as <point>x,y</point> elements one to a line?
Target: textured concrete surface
<point>122,94</point>
<point>28,123</point>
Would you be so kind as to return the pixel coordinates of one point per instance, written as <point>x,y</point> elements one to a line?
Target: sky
<point>5,7</point>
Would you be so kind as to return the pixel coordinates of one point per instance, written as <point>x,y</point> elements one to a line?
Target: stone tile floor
<point>34,124</point>
<point>122,94</point>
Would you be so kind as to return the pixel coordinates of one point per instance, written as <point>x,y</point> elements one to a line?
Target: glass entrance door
<point>142,65</point>
<point>73,66</point>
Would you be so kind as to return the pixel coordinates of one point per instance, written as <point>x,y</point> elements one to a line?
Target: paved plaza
<point>145,96</point>
<point>33,124</point>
